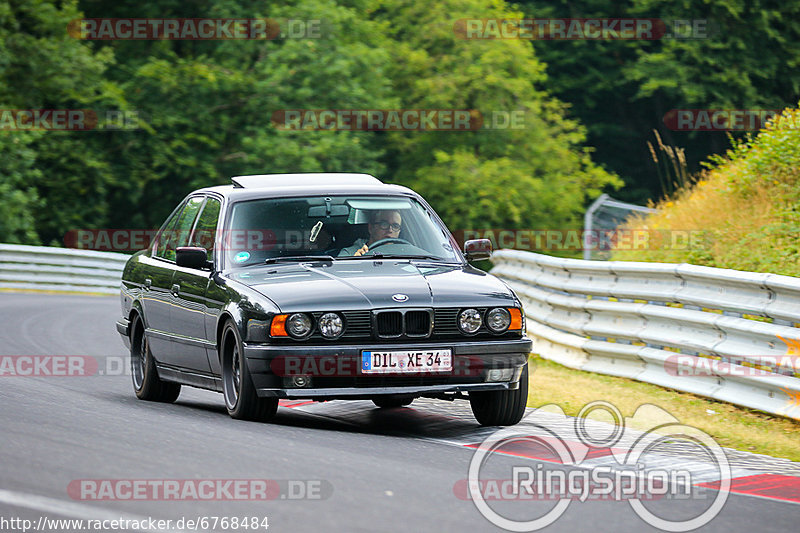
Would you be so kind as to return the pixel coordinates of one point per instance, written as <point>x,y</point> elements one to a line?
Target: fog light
<point>494,374</point>
<point>301,381</point>
<point>500,374</point>
<point>331,325</point>
<point>469,321</point>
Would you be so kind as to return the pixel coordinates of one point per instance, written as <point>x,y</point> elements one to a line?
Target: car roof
<point>277,185</point>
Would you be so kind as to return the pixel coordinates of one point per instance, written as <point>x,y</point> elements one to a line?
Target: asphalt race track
<point>339,466</point>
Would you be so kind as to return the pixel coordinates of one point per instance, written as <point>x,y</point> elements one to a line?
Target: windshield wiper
<point>298,258</point>
<point>394,256</point>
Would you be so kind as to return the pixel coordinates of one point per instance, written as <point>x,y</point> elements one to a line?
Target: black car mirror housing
<point>192,257</point>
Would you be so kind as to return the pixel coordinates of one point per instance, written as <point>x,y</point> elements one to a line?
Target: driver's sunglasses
<point>385,224</point>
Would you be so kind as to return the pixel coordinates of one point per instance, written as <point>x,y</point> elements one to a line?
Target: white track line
<point>70,509</point>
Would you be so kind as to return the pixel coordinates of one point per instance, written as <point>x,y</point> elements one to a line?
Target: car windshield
<point>337,227</point>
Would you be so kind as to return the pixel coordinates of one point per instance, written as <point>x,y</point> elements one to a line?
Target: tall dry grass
<point>741,213</point>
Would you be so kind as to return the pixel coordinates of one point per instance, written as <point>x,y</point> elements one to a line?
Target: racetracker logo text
<point>721,119</point>
<point>68,120</point>
<point>194,29</point>
<point>199,489</point>
<point>572,29</point>
<point>397,120</point>
<point>48,365</point>
<point>577,240</point>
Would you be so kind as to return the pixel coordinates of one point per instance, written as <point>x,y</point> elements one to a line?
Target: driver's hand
<point>361,251</point>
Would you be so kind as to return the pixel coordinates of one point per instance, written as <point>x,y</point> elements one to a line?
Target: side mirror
<point>478,249</point>
<point>192,257</point>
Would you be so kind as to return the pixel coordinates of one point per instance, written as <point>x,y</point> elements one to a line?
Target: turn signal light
<point>278,327</point>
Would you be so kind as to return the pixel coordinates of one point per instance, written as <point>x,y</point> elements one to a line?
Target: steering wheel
<point>381,242</point>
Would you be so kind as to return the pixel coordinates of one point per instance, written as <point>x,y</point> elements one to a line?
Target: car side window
<point>178,235</point>
<point>205,231</point>
<point>167,230</point>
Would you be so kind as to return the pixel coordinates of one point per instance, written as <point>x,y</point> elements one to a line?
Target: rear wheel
<point>387,402</point>
<point>241,399</point>
<point>146,383</point>
<point>501,408</point>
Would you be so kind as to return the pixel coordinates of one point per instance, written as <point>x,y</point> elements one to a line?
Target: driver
<point>383,225</point>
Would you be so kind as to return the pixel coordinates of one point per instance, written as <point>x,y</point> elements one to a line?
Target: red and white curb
<point>452,423</point>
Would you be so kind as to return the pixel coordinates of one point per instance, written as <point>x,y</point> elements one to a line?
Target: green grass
<point>730,426</point>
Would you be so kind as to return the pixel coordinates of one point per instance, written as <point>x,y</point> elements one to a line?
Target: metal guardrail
<point>612,317</point>
<point>60,269</point>
<point>665,324</point>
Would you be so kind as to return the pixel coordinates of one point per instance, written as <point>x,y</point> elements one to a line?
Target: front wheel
<point>146,383</point>
<point>501,408</point>
<point>241,399</point>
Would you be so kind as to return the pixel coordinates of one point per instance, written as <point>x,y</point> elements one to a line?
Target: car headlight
<point>330,325</point>
<point>498,320</point>
<point>298,325</point>
<point>469,321</point>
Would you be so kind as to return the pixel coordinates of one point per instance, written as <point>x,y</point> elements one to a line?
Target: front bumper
<point>123,328</point>
<point>471,363</point>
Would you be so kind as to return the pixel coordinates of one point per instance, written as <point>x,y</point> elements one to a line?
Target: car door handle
<point>148,283</point>
<point>175,289</point>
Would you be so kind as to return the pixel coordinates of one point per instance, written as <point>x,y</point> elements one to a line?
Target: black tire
<point>501,408</point>
<point>388,402</point>
<point>146,383</point>
<point>241,399</point>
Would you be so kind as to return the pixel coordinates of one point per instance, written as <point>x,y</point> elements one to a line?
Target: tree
<point>540,175</point>
<point>52,181</point>
<point>745,57</point>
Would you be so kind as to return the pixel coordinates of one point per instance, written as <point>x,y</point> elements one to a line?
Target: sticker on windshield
<point>241,257</point>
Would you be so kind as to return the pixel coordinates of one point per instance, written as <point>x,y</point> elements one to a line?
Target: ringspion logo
<point>633,473</point>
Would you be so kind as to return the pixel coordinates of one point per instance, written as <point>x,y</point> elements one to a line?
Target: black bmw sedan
<point>320,286</point>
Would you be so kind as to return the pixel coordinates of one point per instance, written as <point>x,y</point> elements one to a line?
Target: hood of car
<point>365,284</point>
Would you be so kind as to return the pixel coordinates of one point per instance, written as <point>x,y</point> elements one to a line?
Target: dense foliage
<point>744,212</point>
<point>205,107</point>
<point>743,54</point>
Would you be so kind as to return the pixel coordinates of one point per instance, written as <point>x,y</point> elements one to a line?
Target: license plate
<point>406,362</point>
